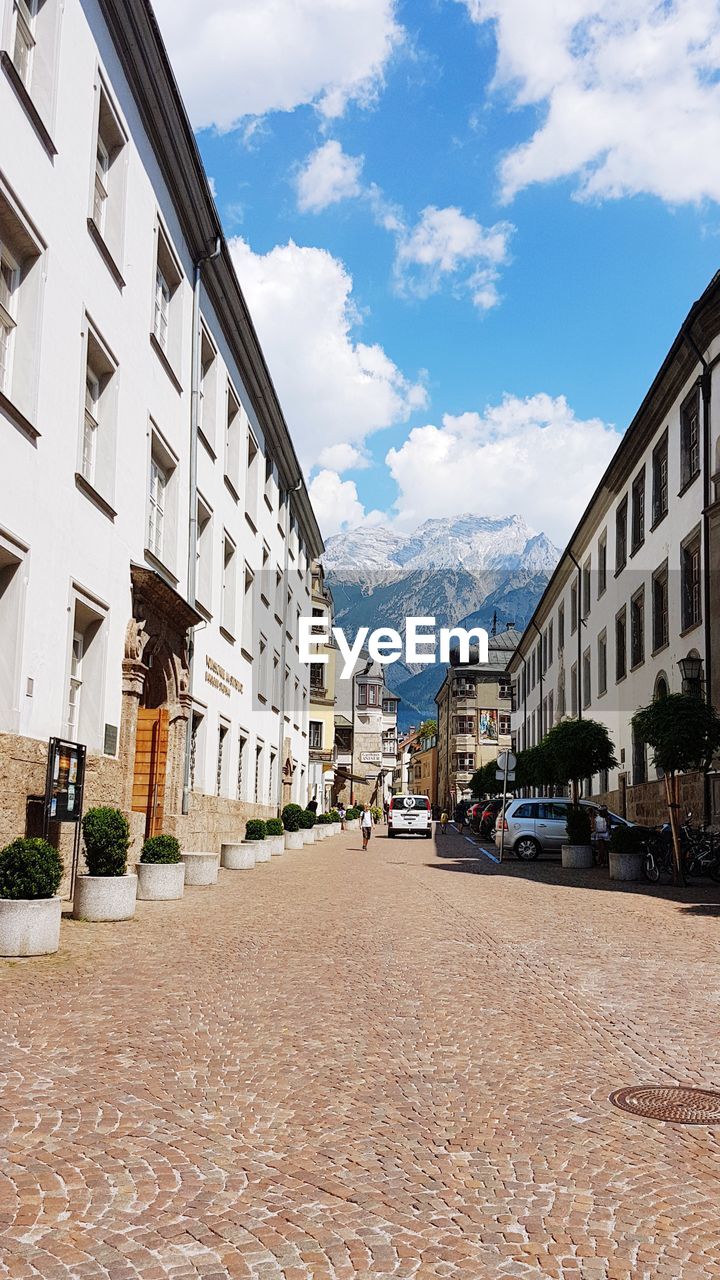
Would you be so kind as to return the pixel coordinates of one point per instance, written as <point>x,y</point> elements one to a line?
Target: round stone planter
<point>239,857</point>
<point>308,835</point>
<point>102,898</point>
<point>625,866</point>
<point>276,843</point>
<point>263,851</point>
<point>29,926</point>
<point>577,855</point>
<point>322,831</point>
<point>160,881</point>
<point>336,828</point>
<point>294,839</point>
<point>201,869</point>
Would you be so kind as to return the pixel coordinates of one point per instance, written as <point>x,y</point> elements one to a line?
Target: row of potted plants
<point>31,871</point>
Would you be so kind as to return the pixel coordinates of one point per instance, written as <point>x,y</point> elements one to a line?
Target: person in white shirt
<point>366,823</point>
<point>602,835</point>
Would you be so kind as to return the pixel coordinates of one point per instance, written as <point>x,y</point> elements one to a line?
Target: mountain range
<point>467,571</point>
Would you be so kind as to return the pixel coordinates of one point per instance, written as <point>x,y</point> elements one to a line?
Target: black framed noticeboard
<point>65,781</point>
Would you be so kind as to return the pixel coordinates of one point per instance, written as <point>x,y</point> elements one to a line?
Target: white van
<point>410,813</point>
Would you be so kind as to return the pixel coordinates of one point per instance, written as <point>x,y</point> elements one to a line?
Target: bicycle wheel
<point>651,869</point>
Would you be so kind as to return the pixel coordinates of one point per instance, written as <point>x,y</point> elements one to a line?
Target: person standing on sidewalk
<point>366,821</point>
<point>443,821</point>
<point>341,815</point>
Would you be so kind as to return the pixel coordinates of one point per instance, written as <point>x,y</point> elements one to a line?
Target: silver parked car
<point>540,825</point>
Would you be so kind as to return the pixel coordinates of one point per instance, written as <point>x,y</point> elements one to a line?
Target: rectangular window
<point>162,502</point>
<point>161,321</point>
<point>690,582</point>
<point>550,644</point>
<point>621,516</point>
<point>203,585</point>
<point>317,677</point>
<point>586,589</point>
<point>464,724</point>
<point>602,662</point>
<point>221,764</point>
<point>587,679</point>
<point>98,429</point>
<point>248,610</point>
<point>660,625</point>
<point>84,711</point>
<point>638,510</point>
<point>561,628</point>
<point>156,513</point>
<point>229,576</point>
<point>257,781</point>
<point>167,303</point>
<point>621,645</point>
<point>574,689</point>
<point>316,735</point>
<point>107,201</point>
<point>9,278</point>
<point>602,564</point>
<point>573,608</point>
<point>196,734</point>
<point>262,669</point>
<point>21,286</point>
<point>503,724</point>
<point>207,389</point>
<point>690,440</point>
<point>23,39</point>
<point>242,765</point>
<point>233,440</point>
<point>637,628</point>
<point>660,480</point>
<point>251,480</point>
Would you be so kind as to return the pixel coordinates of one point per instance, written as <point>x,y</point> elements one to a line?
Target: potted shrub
<point>322,826</point>
<point>307,826</point>
<point>243,856</point>
<point>275,836</point>
<point>161,870</point>
<point>572,750</point>
<point>107,892</point>
<point>625,854</point>
<point>577,852</point>
<point>335,820</point>
<point>30,875</point>
<point>255,833</point>
<point>291,816</point>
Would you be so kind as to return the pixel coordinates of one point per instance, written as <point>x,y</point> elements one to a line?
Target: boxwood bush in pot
<point>275,835</point>
<point>161,870</point>
<point>106,892</point>
<point>626,852</point>
<point>291,816</point>
<point>255,829</point>
<point>307,826</point>
<point>30,875</point>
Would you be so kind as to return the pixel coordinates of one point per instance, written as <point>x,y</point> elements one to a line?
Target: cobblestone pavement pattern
<point>345,1065</point>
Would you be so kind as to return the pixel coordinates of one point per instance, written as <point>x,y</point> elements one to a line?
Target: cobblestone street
<point>347,1065</point>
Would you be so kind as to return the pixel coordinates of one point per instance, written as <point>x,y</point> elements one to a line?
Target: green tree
<point>483,782</point>
<point>428,729</point>
<point>683,733</point>
<point>579,749</point>
<point>535,768</point>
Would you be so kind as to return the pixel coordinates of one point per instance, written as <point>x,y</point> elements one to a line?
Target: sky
<point>468,231</point>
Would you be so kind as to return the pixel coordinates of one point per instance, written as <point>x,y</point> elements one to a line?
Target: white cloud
<point>329,176</point>
<point>337,505</point>
<point>446,243</point>
<point>333,388</point>
<point>343,457</point>
<point>507,459</point>
<point>629,93</point>
<point>238,58</point>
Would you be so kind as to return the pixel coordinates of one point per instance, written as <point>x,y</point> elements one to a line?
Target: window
<point>561,628</point>
<point>23,39</point>
<point>464,724</point>
<point>690,582</point>
<point>464,762</point>
<point>586,679</point>
<point>203,585</point>
<point>196,729</point>
<point>229,575</point>
<point>638,510</point>
<point>242,753</point>
<point>574,689</point>
<point>317,677</point>
<point>316,735</point>
<point>271,777</point>
<point>98,429</point>
<point>107,201</point>
<point>660,480</point>
<point>167,304</point>
<point>21,286</point>
<point>233,440</point>
<point>660,631</point>
<point>262,669</point>
<point>33,47</point>
<point>368,695</point>
<point>621,536</point>
<point>257,788</point>
<point>504,723</point>
<point>248,609</point>
<point>602,663</point>
<point>573,608</point>
<point>251,480</point>
<point>207,389</point>
<point>162,513</point>
<point>84,713</point>
<point>690,440</point>
<point>551,712</point>
<point>602,564</point>
<point>637,628</point>
<point>271,487</point>
<point>12,597</point>
<point>586,589</point>
<point>639,760</point>
<point>621,645</point>
<point>222,760</point>
<point>550,644</point>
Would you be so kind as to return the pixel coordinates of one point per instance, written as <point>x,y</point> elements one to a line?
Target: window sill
<point>693,627</point>
<point>206,613</point>
<point>161,568</point>
<point>634,550</point>
<point>261,697</point>
<point>267,501</point>
<point>659,519</point>
<point>689,484</point>
<point>27,104</point>
<point>165,363</point>
<point>96,498</point>
<point>635,666</point>
<point>98,240</point>
<point>231,488</point>
<point>601,692</point>
<point>665,645</point>
<point>619,679</point>
<point>204,440</point>
<point>245,652</point>
<point>251,521</point>
<point>227,635</point>
<point>18,419</point>
<point>619,569</point>
<point>601,593</point>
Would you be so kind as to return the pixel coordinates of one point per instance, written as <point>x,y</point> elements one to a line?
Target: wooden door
<point>151,748</point>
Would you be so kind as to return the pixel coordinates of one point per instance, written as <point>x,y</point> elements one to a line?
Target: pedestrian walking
<point>443,821</point>
<point>341,815</point>
<point>366,822</point>
<point>312,805</point>
<point>459,817</point>
<point>601,835</point>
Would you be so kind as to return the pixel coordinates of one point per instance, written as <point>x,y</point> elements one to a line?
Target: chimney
<point>509,626</point>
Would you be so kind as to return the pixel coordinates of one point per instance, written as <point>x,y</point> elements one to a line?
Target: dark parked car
<point>488,817</point>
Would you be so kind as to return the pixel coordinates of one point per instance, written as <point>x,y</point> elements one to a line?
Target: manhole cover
<point>678,1105</point>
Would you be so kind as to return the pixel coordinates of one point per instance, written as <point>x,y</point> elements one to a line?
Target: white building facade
<point>635,595</point>
<point>155,532</point>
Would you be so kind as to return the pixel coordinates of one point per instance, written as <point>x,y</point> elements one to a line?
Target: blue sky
<point>468,230</point>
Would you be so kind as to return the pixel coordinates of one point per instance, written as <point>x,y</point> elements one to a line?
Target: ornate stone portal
<point>156,675</point>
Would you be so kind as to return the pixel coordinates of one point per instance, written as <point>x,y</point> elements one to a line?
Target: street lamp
<point>691,672</point>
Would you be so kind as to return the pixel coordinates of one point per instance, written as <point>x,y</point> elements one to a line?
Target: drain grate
<point>672,1103</point>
